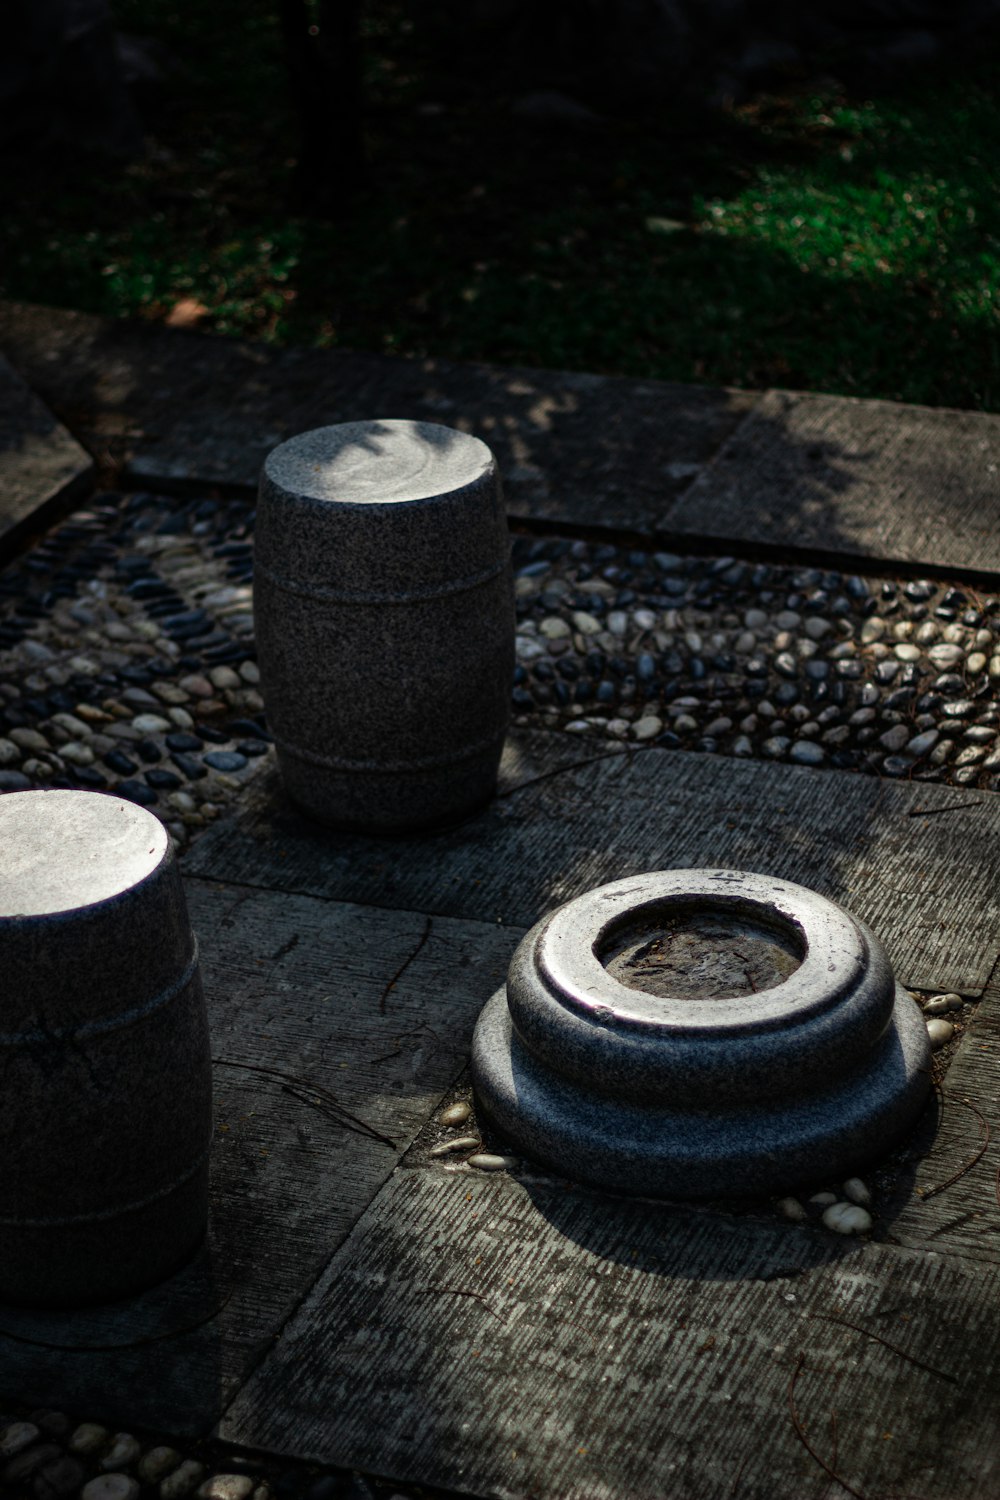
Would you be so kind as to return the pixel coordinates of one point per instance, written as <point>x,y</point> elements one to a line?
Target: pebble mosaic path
<point>127,659</point>
<point>46,1455</point>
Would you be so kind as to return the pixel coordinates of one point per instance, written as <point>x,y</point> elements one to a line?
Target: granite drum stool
<point>697,1033</point>
<point>384,614</point>
<point>105,1112</point>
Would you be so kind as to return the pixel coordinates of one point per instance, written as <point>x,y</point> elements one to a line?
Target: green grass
<point>809,239</point>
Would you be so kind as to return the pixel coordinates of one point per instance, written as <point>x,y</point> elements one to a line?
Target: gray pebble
<point>110,1487</point>
<point>857,1191</point>
<point>939,1032</point>
<point>150,724</point>
<point>89,1438</point>
<point>487,1162</point>
<point>28,739</point>
<point>821,1200</point>
<point>922,744</point>
<point>895,738</point>
<point>59,1479</point>
<point>157,1464</point>
<point>17,1436</point>
<point>225,760</point>
<point>122,1454</point>
<point>776,746</point>
<point>792,1209</point>
<point>24,1464</point>
<point>182,1481</point>
<point>805,753</point>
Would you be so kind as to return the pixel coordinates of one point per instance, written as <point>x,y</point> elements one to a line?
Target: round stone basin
<point>700,1032</point>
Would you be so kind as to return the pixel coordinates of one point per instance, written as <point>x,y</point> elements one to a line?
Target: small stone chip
<point>461,1143</point>
<point>455,1114</point>
<point>847,1218</point>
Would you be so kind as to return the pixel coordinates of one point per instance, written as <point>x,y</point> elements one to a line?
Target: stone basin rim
<point>836,953</point>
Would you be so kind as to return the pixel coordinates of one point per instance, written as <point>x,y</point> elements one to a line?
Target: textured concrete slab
<point>525,1338</point>
<point>335,1031</point>
<point>42,468</point>
<point>175,407</point>
<point>896,854</point>
<point>866,479</point>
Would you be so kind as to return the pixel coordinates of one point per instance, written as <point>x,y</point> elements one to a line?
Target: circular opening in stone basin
<point>701,951</point>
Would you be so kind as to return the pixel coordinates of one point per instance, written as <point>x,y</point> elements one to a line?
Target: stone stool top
<point>382,462</point>
<point>61,851</point>
<point>381,512</point>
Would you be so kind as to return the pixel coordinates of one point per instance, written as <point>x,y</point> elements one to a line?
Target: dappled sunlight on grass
<point>807,239</point>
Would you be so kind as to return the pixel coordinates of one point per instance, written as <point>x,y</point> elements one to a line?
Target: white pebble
<point>847,1218</point>
<point>150,724</point>
<point>792,1209</point>
<point>647,728</point>
<point>857,1191</point>
<point>554,628</point>
<point>939,1032</point>
<point>455,1114</point>
<point>226,1487</point>
<point>487,1162</point>
<point>821,1199</point>
<point>182,1480</point>
<point>124,1451</point>
<point>461,1143</point>
<point>937,1005</point>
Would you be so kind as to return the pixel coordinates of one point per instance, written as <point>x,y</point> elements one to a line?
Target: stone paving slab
<point>895,853</point>
<point>183,408</point>
<point>532,1339</point>
<point>825,476</point>
<point>373,1007</point>
<point>811,474</point>
<point>41,466</point>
